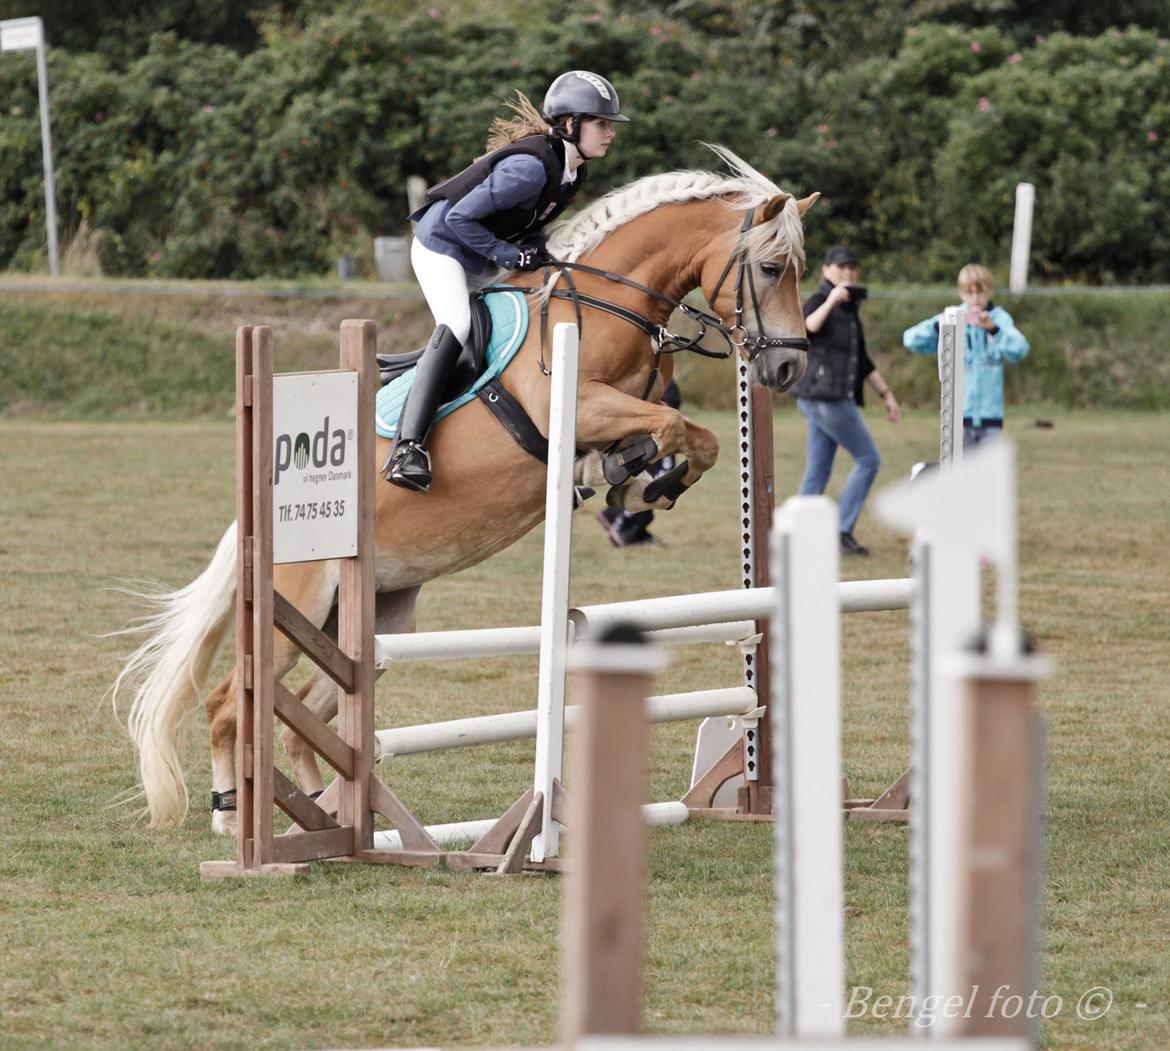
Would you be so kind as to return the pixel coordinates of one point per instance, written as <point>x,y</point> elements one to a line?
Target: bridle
<point>759,342</point>
<point>663,341</point>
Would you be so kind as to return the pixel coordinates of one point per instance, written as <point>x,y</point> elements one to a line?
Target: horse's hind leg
<point>394,613</point>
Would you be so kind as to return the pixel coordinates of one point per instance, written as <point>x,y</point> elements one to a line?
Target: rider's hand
<point>532,258</point>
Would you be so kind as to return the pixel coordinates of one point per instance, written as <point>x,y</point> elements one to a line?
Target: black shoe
<point>409,467</point>
<point>850,546</point>
<point>606,519</point>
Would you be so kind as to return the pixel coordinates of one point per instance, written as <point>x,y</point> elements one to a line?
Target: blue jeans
<point>833,423</point>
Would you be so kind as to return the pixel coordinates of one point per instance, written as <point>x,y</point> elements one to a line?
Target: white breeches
<point>444,284</point>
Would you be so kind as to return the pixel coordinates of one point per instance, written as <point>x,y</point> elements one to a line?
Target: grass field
<point>110,940</point>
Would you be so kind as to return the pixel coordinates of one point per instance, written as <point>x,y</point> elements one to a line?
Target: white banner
<point>314,466</point>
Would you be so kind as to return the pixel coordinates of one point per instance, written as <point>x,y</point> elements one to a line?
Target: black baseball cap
<point>839,255</point>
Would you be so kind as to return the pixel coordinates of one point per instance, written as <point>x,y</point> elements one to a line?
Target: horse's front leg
<point>605,414</point>
<point>221,726</point>
<point>648,431</point>
<point>659,493</point>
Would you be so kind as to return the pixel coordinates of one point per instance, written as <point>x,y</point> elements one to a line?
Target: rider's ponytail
<point>527,121</point>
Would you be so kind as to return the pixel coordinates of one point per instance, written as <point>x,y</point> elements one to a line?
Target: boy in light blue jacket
<point>992,339</point>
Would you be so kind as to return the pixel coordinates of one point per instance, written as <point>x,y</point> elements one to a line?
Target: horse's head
<point>758,285</point>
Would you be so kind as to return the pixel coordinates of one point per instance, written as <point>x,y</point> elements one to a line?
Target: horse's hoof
<point>223,822</point>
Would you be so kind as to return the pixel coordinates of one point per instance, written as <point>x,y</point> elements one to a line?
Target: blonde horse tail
<point>167,672</point>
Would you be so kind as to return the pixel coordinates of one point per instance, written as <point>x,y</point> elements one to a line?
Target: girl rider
<point>491,216</point>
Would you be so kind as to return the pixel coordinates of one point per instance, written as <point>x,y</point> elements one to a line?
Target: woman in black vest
<point>490,217</point>
<point>830,391</point>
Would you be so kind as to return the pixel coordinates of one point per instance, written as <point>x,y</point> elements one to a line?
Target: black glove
<point>532,258</point>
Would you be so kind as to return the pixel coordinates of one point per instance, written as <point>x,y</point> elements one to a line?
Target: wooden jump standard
<point>349,833</point>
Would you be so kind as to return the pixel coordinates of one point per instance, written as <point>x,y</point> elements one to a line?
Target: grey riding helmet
<point>579,93</point>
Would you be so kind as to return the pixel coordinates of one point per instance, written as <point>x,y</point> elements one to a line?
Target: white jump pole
<point>674,611</point>
<point>673,620</point>
<point>478,643</point>
<point>1022,237</point>
<point>554,617</point>
<point>521,726</point>
<point>655,815</point>
<point>806,749</point>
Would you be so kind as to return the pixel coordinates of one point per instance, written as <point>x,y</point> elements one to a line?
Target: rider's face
<point>596,135</point>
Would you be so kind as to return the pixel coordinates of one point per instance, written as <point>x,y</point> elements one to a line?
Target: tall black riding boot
<point>409,464</point>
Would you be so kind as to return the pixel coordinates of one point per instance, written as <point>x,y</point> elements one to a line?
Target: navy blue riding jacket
<point>458,229</point>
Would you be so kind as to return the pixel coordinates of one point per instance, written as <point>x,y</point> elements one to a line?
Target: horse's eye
<point>770,269</point>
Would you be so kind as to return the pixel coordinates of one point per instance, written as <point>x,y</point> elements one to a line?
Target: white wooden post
<point>554,617</point>
<point>1022,237</point>
<point>806,744</point>
<point>944,617</point>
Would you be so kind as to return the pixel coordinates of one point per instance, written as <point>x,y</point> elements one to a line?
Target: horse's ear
<point>771,208</point>
<point>806,203</point>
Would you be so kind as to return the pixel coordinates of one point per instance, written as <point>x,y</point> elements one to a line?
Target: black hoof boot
<point>409,467</point>
<point>620,466</point>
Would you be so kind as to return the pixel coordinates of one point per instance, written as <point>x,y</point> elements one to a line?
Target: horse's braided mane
<point>783,236</point>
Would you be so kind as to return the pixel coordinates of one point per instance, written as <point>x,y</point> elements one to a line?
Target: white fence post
<point>554,617</point>
<point>806,743</point>
<point>1022,237</point>
<point>944,617</point>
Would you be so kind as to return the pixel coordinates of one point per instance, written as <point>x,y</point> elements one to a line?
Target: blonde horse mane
<point>782,236</point>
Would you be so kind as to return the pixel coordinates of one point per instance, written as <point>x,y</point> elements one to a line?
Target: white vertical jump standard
<point>806,759</point>
<point>554,616</point>
<point>979,700</point>
<point>952,343</point>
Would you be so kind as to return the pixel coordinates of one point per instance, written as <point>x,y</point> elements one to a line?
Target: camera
<point>857,293</point>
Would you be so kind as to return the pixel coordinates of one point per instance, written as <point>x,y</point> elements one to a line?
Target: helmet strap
<point>573,152</point>
<point>575,135</point>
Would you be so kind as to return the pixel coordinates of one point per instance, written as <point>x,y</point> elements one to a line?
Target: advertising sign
<point>314,466</point>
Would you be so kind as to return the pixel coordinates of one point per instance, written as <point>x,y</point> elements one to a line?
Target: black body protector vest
<point>512,223</point>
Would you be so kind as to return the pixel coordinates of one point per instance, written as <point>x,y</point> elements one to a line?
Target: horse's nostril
<point>786,375</point>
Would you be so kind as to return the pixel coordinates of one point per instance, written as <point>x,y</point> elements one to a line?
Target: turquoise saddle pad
<point>509,312</point>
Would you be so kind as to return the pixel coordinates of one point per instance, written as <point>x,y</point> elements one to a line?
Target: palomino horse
<point>737,237</point>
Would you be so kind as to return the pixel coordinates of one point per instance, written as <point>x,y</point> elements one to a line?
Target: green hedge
<point>275,156</point>
<point>91,355</point>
